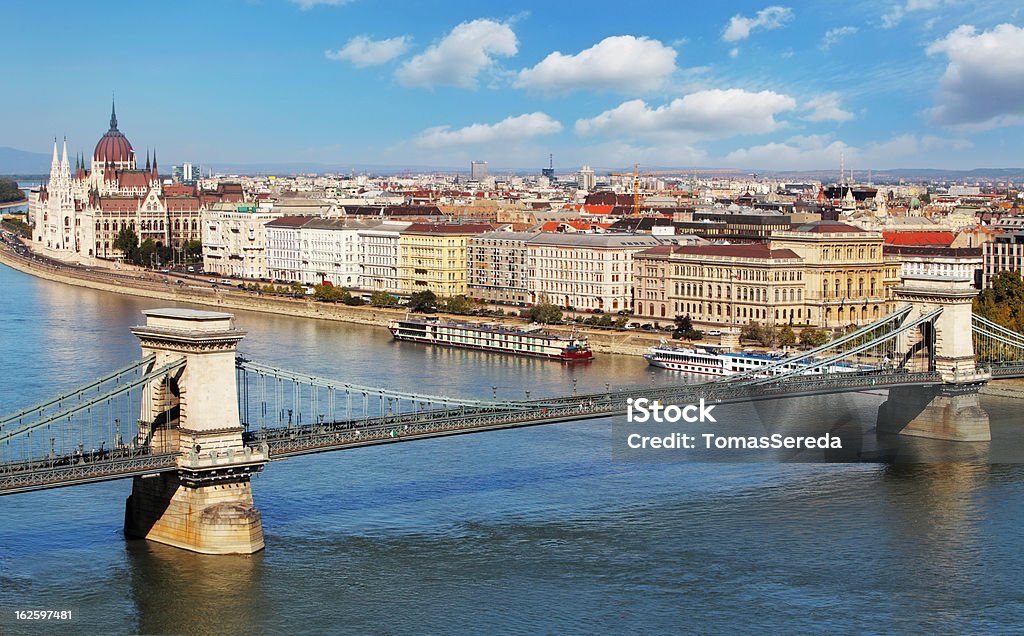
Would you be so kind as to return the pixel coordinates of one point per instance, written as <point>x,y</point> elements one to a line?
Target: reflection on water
<point>524,531</point>
<point>180,592</point>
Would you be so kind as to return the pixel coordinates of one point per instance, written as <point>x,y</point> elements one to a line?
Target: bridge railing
<point>321,436</point>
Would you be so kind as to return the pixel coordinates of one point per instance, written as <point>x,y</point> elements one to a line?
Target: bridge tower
<point>952,411</point>
<point>206,505</point>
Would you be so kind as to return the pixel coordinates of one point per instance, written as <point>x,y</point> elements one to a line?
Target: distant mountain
<point>14,161</point>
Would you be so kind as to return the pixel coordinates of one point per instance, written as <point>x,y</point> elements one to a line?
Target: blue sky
<point>750,85</point>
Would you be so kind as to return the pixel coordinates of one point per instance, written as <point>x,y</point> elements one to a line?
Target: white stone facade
<point>235,240</point>
<point>585,271</point>
<point>380,256</point>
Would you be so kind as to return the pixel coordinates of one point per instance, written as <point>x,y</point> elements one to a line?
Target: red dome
<point>113,146</point>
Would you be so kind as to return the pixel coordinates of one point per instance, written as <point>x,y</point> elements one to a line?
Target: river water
<point>536,530</point>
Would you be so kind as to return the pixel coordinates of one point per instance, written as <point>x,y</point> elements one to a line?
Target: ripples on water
<point>521,531</point>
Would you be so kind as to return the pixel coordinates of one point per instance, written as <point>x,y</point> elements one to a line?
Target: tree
<point>620,322</point>
<point>763,334</point>
<point>328,293</point>
<point>424,301</point>
<point>193,250</point>
<point>786,336</point>
<point>605,321</point>
<point>1003,301</point>
<point>458,305</point>
<point>810,337</point>
<point>545,313</point>
<point>145,253</point>
<point>684,329</point>
<point>9,191</point>
<point>128,242</point>
<point>382,299</point>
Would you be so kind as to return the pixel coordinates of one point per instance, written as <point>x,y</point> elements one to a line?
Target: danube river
<point>535,530</point>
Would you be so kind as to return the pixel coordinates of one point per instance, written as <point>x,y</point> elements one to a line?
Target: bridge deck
<point>289,441</point>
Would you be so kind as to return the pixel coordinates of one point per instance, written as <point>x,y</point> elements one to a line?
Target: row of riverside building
<point>823,273</point>
<point>740,264</point>
<point>580,270</point>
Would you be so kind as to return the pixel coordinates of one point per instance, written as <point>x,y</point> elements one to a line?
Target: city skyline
<point>751,85</point>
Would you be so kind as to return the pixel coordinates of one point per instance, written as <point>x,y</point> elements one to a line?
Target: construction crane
<point>636,174</point>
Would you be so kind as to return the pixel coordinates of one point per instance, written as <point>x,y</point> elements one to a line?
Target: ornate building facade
<point>78,214</point>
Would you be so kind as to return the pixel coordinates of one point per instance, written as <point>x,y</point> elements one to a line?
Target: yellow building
<point>720,284</point>
<point>848,278</point>
<point>825,274</point>
<point>432,257</point>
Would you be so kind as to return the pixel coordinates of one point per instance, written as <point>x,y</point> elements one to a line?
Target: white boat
<point>715,360</point>
<point>525,341</point>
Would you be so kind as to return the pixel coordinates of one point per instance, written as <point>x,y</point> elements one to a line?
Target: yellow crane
<point>636,174</point>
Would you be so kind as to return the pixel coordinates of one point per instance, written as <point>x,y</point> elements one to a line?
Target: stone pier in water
<point>206,505</point>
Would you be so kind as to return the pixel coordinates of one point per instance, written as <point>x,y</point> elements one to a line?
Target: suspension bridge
<point>191,420</point>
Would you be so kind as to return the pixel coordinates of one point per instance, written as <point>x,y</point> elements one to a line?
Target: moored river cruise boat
<point>525,341</point>
<point>715,360</point>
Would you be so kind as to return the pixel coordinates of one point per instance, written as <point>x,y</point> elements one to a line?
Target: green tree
<point>424,301</point>
<point>128,242</point>
<point>458,305</point>
<point>762,334</point>
<point>605,321</point>
<point>545,313</point>
<point>1003,301</point>
<point>17,226</point>
<point>146,252</point>
<point>684,329</point>
<point>621,322</point>
<point>382,299</point>
<point>193,250</point>
<point>353,301</point>
<point>9,191</point>
<point>811,337</point>
<point>786,336</point>
<point>328,293</point>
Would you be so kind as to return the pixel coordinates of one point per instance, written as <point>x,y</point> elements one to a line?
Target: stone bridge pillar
<point>951,411</point>
<point>206,505</point>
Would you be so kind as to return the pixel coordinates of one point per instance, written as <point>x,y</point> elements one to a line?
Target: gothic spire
<point>113,114</point>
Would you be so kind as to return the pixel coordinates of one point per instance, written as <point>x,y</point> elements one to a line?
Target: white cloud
<point>740,26</point>
<point>714,113</point>
<point>622,63</point>
<point>822,152</point>
<point>460,56</point>
<point>508,129</point>
<point>983,86</point>
<point>796,153</point>
<point>361,51</point>
<point>833,36</point>
<point>826,107</point>
<point>897,12</point>
<point>306,5</point>
<point>734,52</point>
<point>611,153</point>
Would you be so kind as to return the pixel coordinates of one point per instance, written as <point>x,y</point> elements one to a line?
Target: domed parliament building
<point>79,212</point>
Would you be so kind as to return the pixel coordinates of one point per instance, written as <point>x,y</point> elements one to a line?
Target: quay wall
<point>134,282</point>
